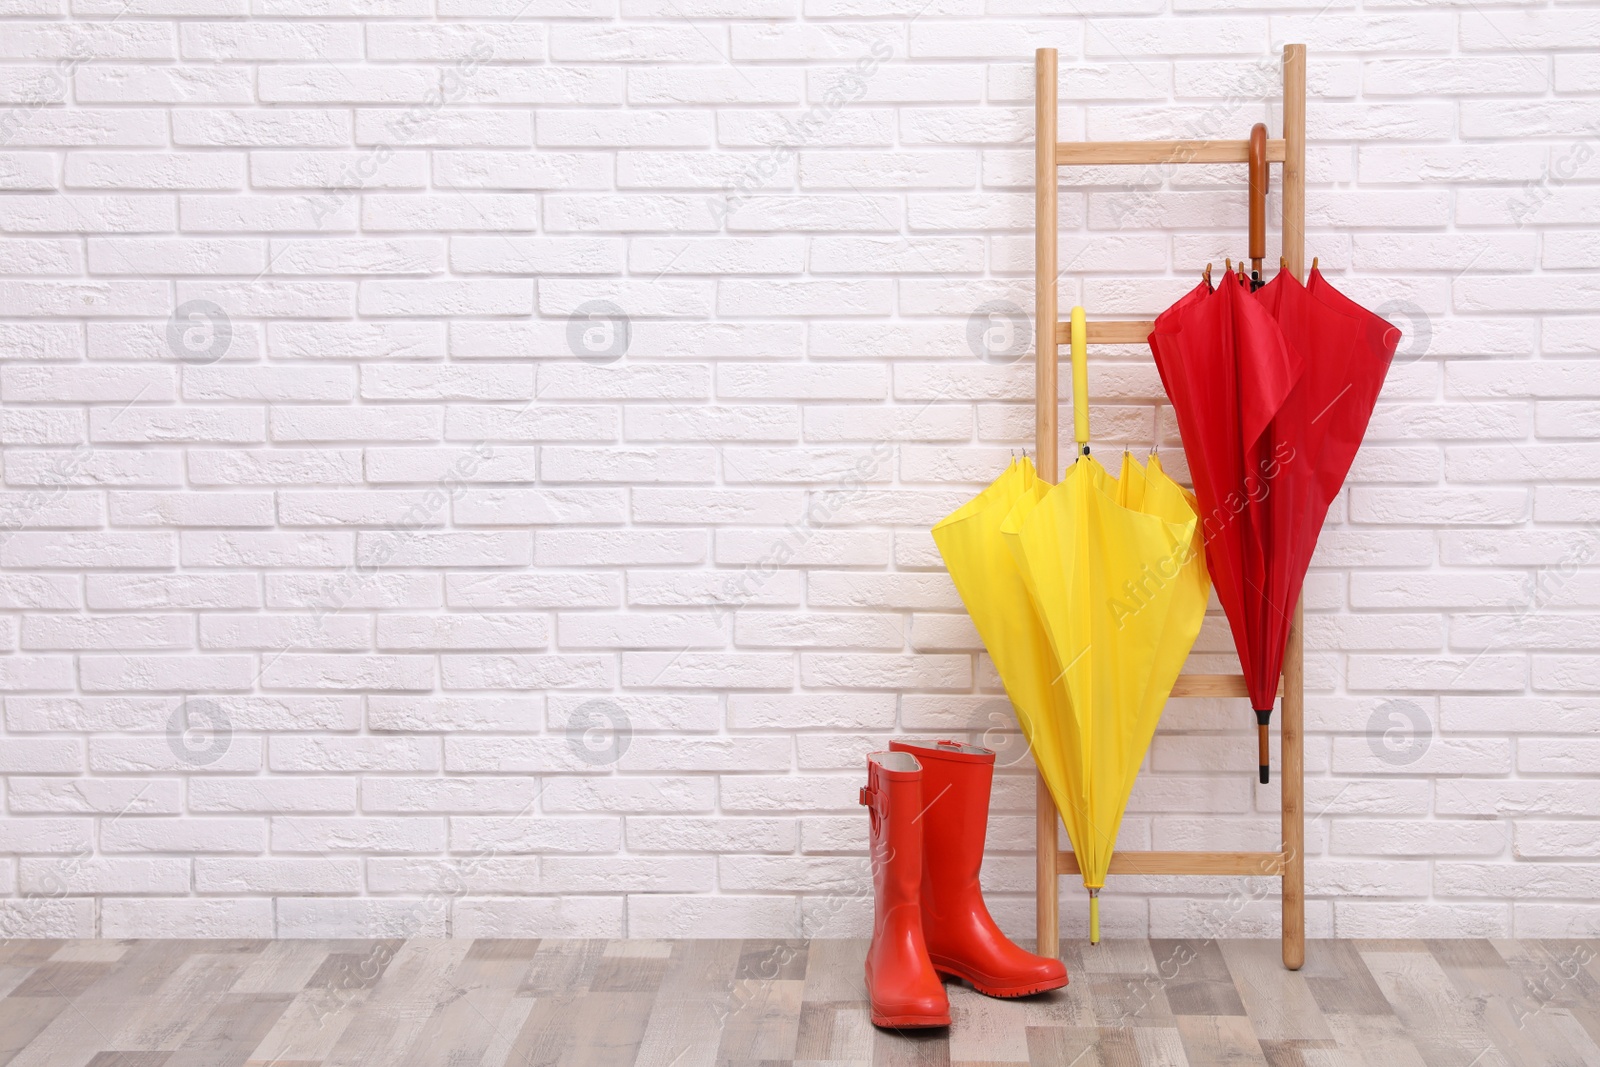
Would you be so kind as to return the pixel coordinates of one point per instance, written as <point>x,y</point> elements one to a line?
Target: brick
<point>323,917</point>
<point>223,754</point>
<point>350,589</point>
<point>641,874</point>
<point>116,84</point>
<point>552,86</point>
<point>535,255</point>
<point>416,381</point>
<point>1556,840</point>
<point>632,794</point>
<point>446,298</point>
<point>638,631</point>
<point>344,84</point>
<point>35,299</point>
<point>520,591</point>
<point>570,916</point>
<point>411,423</point>
<point>522,507</point>
<point>819,630</point>
<point>134,39</point>
<point>65,632</point>
<point>480,422</point>
<point>297,754</point>
<point>451,877</point>
<point>157,834</point>
<point>528,833</point>
<point>49,835</point>
<point>465,714</point>
<point>394,212</point>
<point>319,834</point>
<point>678,713</point>
<point>648,42</point>
<point>690,834</point>
<point>502,43</point>
<point>748,711</point>
<point>1484,31</point>
<point>385,340</point>
<point>236,42</point>
<point>435,549</point>
<point>520,170</point>
<point>669,670</point>
<point>135,591</point>
<point>519,671</point>
<point>287,127</point>
<point>720,505</point>
<point>627,465</point>
<point>297,794</point>
<point>104,875</point>
<point>319,671</point>
<point>278,875</point>
<point>109,128</point>
<point>389,794</point>
<point>444,126</point>
<point>565,548</point>
<point>89,549</point>
<point>303,548</point>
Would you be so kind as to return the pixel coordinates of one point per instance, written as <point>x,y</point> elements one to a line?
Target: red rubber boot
<point>963,939</point>
<point>902,985</point>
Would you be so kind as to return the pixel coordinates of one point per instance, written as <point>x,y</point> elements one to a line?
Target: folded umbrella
<point>1115,579</point>
<point>1273,391</point>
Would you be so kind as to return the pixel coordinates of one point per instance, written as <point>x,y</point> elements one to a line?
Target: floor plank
<point>1220,1041</point>
<point>695,996</point>
<point>1374,1040</point>
<point>1197,978</point>
<point>232,1030</point>
<point>1278,1002</point>
<point>1446,1026</point>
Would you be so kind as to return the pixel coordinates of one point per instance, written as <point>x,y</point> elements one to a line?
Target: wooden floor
<point>687,1003</point>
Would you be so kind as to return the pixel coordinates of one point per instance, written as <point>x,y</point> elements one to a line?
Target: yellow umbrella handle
<point>1094,916</point>
<point>1080,380</point>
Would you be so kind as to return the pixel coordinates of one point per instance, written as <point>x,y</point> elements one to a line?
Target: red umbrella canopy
<point>1273,391</point>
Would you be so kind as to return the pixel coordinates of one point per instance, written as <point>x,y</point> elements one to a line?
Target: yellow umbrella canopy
<point>1091,622</point>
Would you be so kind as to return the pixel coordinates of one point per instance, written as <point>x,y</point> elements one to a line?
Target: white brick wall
<point>506,438</point>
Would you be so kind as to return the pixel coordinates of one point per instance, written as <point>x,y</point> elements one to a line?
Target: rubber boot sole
<point>909,1022</point>
<point>989,989</point>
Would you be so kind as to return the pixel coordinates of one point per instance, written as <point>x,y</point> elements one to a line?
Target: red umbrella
<point>1273,391</point>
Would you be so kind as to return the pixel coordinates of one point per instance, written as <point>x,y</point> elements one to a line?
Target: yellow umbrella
<point>1113,579</point>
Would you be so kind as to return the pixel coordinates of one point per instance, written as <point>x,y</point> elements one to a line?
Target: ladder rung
<point>1113,332</point>
<point>1089,153</point>
<point>1213,685</point>
<point>1259,863</point>
<point>1210,685</point>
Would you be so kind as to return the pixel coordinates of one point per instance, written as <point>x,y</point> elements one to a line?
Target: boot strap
<point>873,800</point>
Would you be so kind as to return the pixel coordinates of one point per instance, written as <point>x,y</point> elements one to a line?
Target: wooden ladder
<point>1287,862</point>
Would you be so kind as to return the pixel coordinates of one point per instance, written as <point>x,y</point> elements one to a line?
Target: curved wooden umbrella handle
<point>1258,198</point>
